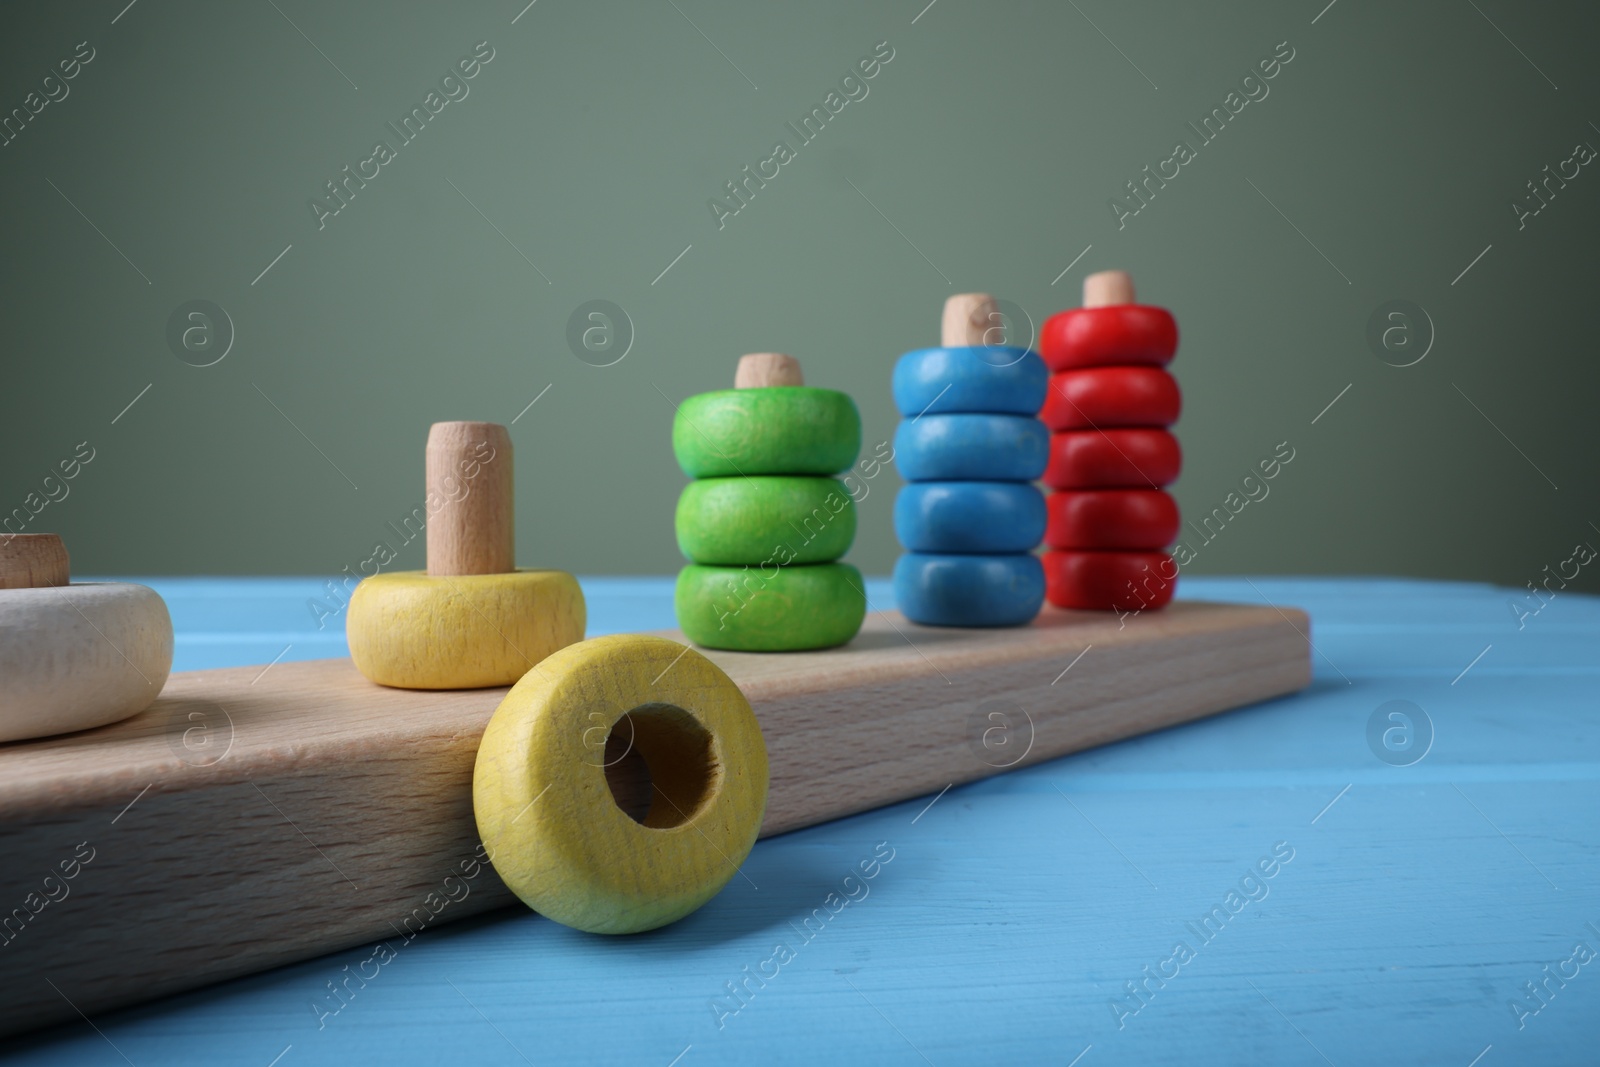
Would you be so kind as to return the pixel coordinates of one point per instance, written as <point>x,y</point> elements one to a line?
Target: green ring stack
<point>764,522</point>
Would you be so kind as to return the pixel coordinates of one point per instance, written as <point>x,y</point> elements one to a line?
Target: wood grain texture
<point>967,320</point>
<point>32,561</point>
<point>760,370</point>
<point>469,474</point>
<point>1016,906</point>
<point>247,819</point>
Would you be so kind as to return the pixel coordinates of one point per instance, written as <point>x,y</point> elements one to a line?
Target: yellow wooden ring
<point>543,796</point>
<point>413,630</point>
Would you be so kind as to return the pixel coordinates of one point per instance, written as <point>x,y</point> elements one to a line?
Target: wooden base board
<point>253,818</point>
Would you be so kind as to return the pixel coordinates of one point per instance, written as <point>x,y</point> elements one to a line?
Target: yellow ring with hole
<point>553,771</point>
<point>415,630</point>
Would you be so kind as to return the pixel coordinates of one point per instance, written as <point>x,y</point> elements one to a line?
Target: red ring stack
<point>1108,408</point>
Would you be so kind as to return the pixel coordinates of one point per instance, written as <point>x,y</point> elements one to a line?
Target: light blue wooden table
<point>1408,907</point>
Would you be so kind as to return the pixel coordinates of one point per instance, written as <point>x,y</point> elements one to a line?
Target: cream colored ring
<point>77,656</point>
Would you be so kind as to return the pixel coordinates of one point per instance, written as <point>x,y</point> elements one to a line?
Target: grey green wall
<point>1384,160</point>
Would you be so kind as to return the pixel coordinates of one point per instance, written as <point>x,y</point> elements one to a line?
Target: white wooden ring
<point>78,656</point>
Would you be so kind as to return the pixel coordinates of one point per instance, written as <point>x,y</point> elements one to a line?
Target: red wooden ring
<point>1109,581</point>
<point>1111,518</point>
<point>1113,459</point>
<point>1107,336</point>
<point>1100,397</point>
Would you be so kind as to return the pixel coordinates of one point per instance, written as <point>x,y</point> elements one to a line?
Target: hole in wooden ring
<point>660,765</point>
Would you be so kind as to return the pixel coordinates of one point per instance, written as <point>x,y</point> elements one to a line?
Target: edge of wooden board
<point>293,824</point>
<point>234,724</point>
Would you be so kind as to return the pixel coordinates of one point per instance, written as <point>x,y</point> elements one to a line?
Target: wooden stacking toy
<point>620,785</point>
<point>764,522</point>
<point>1109,405</point>
<point>473,619</point>
<point>970,448</point>
<point>73,656</point>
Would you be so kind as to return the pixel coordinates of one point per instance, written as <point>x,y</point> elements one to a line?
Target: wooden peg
<point>1106,288</point>
<point>969,319</point>
<point>473,619</point>
<point>33,561</point>
<point>762,369</point>
<point>469,472</point>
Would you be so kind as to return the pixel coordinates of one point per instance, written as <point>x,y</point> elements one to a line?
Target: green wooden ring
<point>770,609</point>
<point>787,429</point>
<point>765,519</point>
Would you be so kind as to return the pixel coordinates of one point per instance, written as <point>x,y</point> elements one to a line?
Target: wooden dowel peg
<point>473,620</point>
<point>469,479</point>
<point>1107,288</point>
<point>971,319</point>
<point>33,561</point>
<point>760,370</point>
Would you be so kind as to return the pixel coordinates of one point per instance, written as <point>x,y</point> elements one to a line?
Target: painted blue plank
<point>1016,911</point>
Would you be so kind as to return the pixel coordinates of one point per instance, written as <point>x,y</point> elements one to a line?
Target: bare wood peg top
<point>762,369</point>
<point>970,319</point>
<point>33,561</point>
<point>1106,288</point>
<point>471,524</point>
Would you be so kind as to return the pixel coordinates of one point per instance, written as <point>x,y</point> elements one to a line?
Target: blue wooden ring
<point>969,517</point>
<point>972,448</point>
<point>955,590</point>
<point>999,379</point>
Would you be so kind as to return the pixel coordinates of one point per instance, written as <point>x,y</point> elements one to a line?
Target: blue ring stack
<point>970,447</point>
